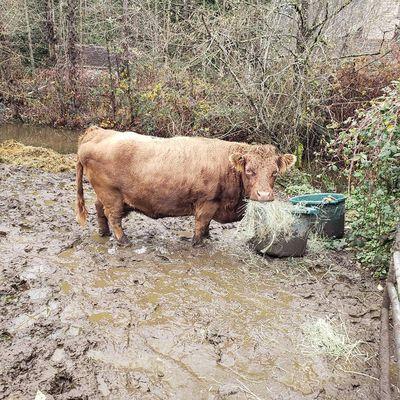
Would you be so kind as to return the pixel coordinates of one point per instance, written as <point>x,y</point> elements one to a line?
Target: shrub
<point>356,83</point>
<point>369,147</point>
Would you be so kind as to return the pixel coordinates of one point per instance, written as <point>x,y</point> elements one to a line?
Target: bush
<point>356,83</point>
<point>369,147</point>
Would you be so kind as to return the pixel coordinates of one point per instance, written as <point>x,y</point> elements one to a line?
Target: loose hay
<point>262,220</point>
<point>325,337</point>
<point>13,152</point>
<point>315,245</point>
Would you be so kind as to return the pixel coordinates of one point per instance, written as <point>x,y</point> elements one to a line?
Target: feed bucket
<point>294,245</point>
<point>330,212</point>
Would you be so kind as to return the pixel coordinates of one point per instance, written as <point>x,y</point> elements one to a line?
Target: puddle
<point>67,254</point>
<point>65,287</point>
<point>110,276</point>
<point>100,239</point>
<point>100,317</point>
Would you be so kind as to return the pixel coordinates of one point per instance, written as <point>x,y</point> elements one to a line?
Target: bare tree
<point>50,30</point>
<point>126,57</point>
<point>28,30</point>
<point>72,51</point>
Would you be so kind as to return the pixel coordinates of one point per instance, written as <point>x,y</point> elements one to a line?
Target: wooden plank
<point>396,264</point>
<point>394,300</point>
<point>384,350</point>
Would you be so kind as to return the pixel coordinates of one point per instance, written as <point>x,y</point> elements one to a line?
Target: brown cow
<point>207,178</point>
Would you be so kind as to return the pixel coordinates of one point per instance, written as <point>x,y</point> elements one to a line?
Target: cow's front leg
<point>203,216</point>
<point>104,229</point>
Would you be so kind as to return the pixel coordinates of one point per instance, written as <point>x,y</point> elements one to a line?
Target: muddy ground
<point>84,319</point>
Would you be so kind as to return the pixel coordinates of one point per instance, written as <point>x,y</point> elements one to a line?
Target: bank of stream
<point>85,319</point>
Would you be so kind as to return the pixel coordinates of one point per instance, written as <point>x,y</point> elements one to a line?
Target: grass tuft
<point>262,220</point>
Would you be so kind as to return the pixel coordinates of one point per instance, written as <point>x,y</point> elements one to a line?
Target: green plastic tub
<point>296,244</point>
<point>330,212</point>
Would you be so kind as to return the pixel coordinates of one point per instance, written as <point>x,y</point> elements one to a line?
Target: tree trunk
<point>112,86</point>
<point>80,22</point>
<point>300,69</point>
<point>126,58</point>
<point>72,52</point>
<point>28,29</point>
<point>10,74</point>
<point>50,31</point>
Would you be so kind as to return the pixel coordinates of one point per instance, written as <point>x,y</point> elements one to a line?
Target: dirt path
<point>84,319</point>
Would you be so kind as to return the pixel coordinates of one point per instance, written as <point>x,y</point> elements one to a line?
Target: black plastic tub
<point>294,245</point>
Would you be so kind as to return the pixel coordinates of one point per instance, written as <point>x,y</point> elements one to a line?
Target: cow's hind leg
<point>114,211</point>
<point>104,229</point>
<point>203,216</point>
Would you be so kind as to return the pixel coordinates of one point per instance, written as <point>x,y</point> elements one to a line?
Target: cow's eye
<point>250,172</point>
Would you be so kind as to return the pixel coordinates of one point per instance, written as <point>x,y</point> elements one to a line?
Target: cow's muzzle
<point>265,196</point>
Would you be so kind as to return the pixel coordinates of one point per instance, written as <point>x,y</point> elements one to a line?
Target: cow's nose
<point>265,196</point>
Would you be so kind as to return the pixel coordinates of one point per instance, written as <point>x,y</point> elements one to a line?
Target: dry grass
<point>262,220</point>
<point>13,152</point>
<point>324,336</point>
<point>315,244</point>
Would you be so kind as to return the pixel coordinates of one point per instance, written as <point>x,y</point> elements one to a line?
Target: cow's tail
<point>80,210</point>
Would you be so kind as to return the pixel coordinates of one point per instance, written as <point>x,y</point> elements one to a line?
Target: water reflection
<point>61,140</point>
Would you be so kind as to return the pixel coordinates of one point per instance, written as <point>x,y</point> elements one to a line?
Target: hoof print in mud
<point>61,383</point>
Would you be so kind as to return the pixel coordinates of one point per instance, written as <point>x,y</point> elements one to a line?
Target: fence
<point>390,302</point>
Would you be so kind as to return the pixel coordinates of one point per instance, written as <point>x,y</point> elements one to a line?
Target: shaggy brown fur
<point>207,178</point>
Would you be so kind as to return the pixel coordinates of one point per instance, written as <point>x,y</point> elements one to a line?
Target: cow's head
<point>259,166</point>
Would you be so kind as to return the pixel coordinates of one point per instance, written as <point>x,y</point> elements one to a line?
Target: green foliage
<point>297,182</point>
<point>370,150</point>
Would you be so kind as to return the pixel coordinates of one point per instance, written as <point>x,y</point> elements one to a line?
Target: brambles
<point>368,149</point>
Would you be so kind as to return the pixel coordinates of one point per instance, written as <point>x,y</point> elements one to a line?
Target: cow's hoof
<point>197,242</point>
<point>123,241</point>
<point>104,232</point>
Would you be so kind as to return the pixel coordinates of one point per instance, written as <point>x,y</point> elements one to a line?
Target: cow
<point>172,177</point>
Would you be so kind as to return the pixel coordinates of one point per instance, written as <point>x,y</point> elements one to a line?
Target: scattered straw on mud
<point>13,152</point>
<point>323,336</point>
<point>315,244</point>
<point>263,220</point>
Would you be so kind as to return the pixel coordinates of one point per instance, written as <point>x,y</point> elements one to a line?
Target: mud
<point>85,319</point>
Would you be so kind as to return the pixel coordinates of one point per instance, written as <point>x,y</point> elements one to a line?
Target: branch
<point>235,77</point>
<point>375,53</point>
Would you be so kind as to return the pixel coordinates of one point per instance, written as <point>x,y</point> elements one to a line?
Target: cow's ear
<point>237,160</point>
<point>285,162</point>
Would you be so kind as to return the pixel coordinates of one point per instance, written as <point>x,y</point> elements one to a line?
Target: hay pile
<point>13,152</point>
<point>267,220</point>
<point>324,336</point>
